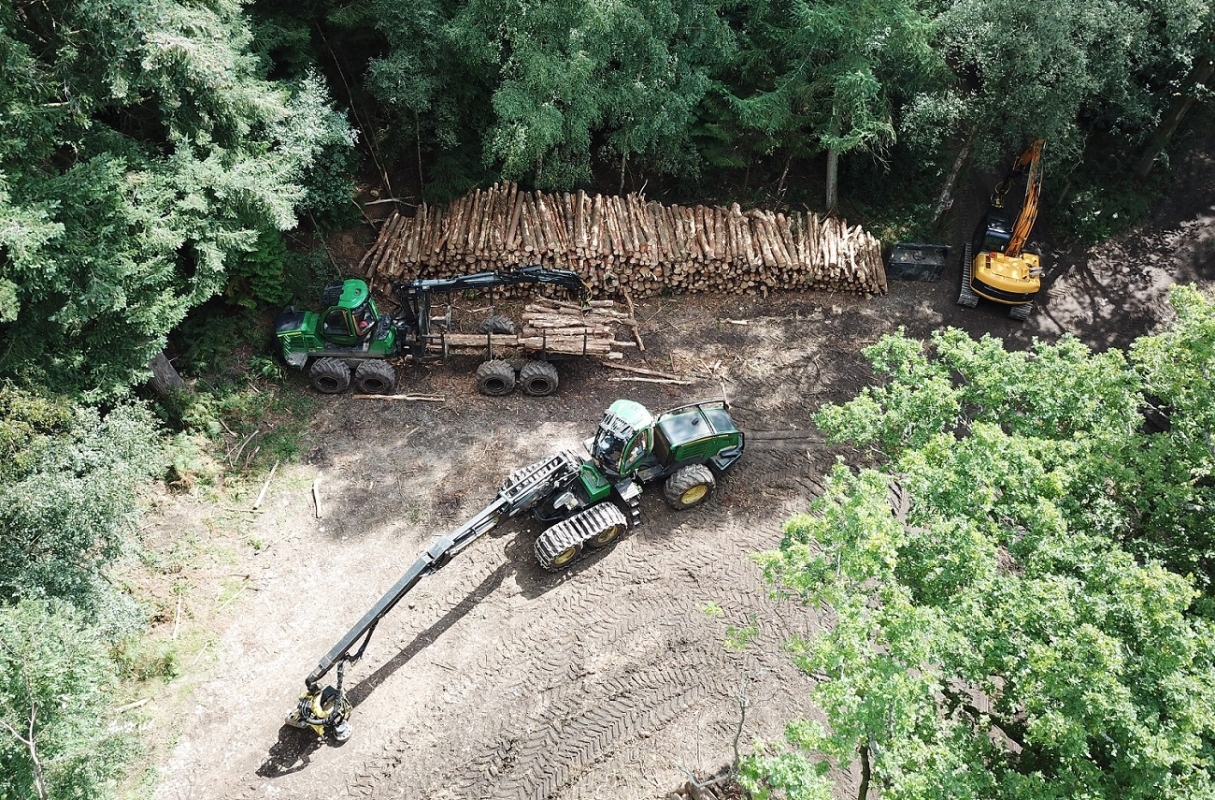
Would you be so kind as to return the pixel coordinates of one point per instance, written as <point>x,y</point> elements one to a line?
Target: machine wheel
<point>495,378</point>
<point>967,298</point>
<point>610,532</point>
<point>498,324</point>
<point>538,378</point>
<point>559,546</point>
<point>329,375</point>
<point>375,377</point>
<point>1021,312</point>
<point>688,487</point>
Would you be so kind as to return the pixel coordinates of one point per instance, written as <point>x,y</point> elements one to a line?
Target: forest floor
<point>495,679</point>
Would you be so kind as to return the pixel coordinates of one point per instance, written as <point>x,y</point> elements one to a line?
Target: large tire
<point>495,378</point>
<point>375,377</point>
<point>689,486</point>
<point>329,375</point>
<point>538,378</point>
<point>559,546</point>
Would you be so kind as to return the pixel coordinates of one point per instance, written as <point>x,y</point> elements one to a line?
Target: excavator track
<point>967,298</point>
<point>562,545</point>
<point>1021,312</point>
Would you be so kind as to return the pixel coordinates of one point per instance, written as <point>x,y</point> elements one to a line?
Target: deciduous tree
<point>56,683</point>
<point>1026,624</point>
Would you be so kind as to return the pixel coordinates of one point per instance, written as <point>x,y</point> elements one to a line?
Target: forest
<point>171,172</point>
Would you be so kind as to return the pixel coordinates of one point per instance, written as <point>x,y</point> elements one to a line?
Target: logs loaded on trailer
<point>628,244</point>
<point>549,326</point>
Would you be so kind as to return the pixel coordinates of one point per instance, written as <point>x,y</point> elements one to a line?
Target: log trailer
<point>349,340</point>
<point>585,500</point>
<point>993,264</point>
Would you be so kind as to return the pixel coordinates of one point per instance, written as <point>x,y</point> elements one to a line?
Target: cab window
<point>335,323</point>
<point>364,319</point>
<point>994,243</point>
<point>638,449</point>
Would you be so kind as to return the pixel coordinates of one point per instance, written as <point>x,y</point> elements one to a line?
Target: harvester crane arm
<point>412,296</point>
<point>440,552</point>
<point>325,709</point>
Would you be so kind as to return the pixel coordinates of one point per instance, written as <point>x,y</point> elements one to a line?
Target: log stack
<point>628,244</point>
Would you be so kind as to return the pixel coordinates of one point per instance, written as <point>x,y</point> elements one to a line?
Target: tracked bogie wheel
<point>329,375</point>
<point>967,298</point>
<point>561,545</point>
<point>375,377</point>
<point>690,486</point>
<point>495,378</point>
<point>538,378</point>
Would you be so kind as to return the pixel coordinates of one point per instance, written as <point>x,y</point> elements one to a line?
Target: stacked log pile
<point>628,244</point>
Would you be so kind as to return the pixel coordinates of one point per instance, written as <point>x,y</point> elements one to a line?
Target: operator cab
<point>350,313</point>
<point>624,438</point>
<point>994,233</point>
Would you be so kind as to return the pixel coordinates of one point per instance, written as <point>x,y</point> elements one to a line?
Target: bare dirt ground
<point>495,679</point>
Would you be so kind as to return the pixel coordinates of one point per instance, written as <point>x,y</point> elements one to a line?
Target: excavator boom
<point>1031,159</point>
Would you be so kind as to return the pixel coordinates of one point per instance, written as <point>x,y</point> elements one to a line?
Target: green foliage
<point>1030,629</point>
<point>1051,71</point>
<point>141,153</point>
<point>26,420</point>
<point>1169,477</point>
<point>68,502</point>
<point>628,74</point>
<point>325,144</point>
<point>211,338</point>
<point>146,659</point>
<point>738,637</point>
<point>189,462</point>
<point>257,278</point>
<point>1097,202</point>
<point>836,71</point>
<point>57,685</point>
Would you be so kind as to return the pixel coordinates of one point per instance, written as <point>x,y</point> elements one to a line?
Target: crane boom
<point>519,492</point>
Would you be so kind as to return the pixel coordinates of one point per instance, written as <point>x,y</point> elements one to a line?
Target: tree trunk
<point>866,773</point>
<point>833,169</point>
<point>1172,120</point>
<point>165,381</point>
<point>945,201</point>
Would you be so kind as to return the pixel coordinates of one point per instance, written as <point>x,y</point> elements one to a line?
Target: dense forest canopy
<point>1034,619</point>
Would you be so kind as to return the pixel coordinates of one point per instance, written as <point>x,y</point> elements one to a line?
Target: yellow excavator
<point>993,264</point>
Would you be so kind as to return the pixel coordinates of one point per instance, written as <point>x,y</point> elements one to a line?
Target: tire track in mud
<point>596,664</point>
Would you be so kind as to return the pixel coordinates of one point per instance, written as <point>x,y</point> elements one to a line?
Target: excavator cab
<point>994,233</point>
